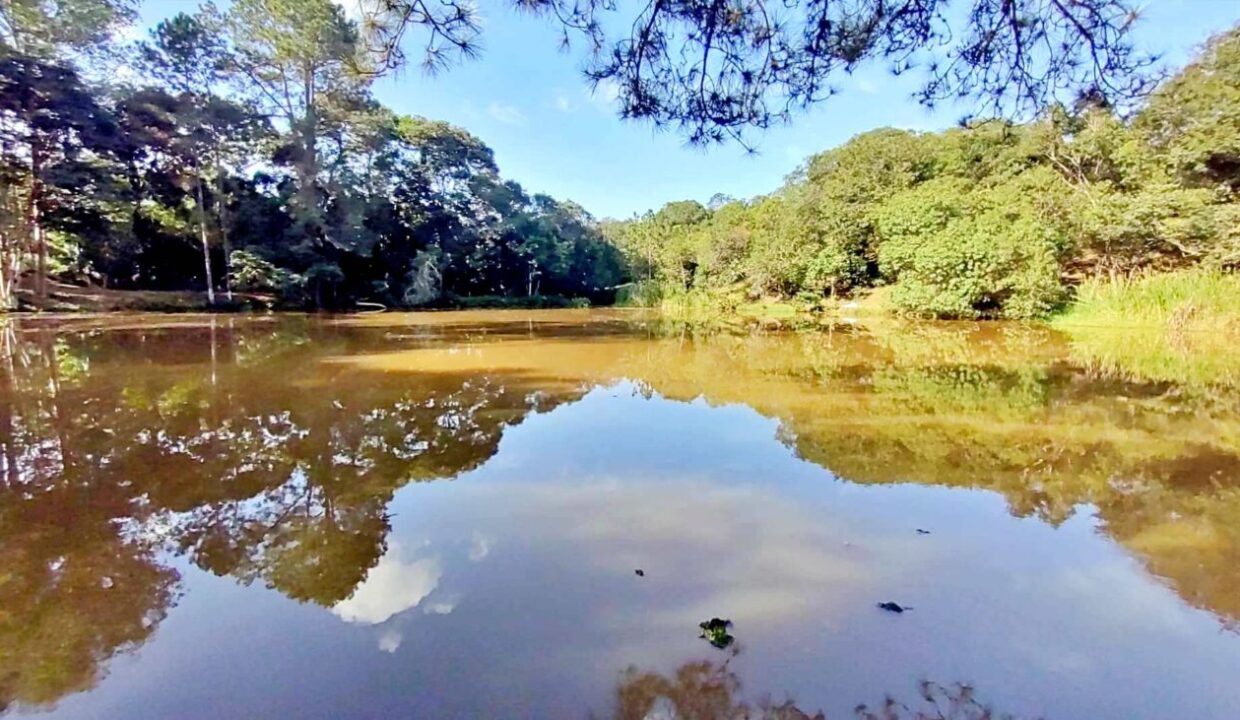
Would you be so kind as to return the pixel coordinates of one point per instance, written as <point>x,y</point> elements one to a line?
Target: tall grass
<point>1189,300</point>
<point>641,293</point>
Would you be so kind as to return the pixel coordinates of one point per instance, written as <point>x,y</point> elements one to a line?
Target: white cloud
<point>563,103</point>
<point>604,95</point>
<point>507,114</point>
<point>867,86</point>
<point>440,608</point>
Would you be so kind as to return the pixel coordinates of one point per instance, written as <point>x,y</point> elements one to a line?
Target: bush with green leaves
<point>250,272</point>
<point>955,250</point>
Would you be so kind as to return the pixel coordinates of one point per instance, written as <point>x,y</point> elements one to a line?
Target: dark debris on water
<point>715,631</point>
<point>894,607</point>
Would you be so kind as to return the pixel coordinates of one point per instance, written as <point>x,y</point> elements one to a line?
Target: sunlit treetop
<point>713,69</point>
<point>54,27</point>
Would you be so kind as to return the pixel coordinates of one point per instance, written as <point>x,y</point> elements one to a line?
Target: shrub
<point>250,272</point>
<point>956,253</point>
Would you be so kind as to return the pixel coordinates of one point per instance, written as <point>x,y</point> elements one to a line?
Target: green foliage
<point>355,203</point>
<point>359,204</point>
<point>1193,121</point>
<point>48,28</point>
<point>956,251</point>
<point>640,293</point>
<point>252,273</point>
<point>1193,300</point>
<point>992,219</point>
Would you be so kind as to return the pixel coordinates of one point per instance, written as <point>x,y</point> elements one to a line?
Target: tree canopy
<point>249,154</point>
<point>992,219</point>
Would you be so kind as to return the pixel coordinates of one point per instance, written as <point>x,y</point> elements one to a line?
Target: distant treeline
<point>992,219</point>
<point>244,151</point>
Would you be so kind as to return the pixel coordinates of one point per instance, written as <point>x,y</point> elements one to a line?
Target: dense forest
<point>243,151</point>
<point>991,219</point>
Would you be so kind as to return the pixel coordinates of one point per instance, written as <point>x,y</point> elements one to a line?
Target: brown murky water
<point>442,516</point>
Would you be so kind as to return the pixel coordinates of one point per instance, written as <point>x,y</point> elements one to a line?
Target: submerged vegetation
<point>989,220</point>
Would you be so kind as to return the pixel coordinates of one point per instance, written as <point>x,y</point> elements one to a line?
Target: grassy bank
<point>499,302</point>
<point>1178,327</point>
<point>63,297</point>
<point>1191,301</point>
<point>723,306</point>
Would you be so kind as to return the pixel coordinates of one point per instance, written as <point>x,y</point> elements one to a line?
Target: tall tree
<point>47,119</point>
<point>189,55</point>
<point>298,57</point>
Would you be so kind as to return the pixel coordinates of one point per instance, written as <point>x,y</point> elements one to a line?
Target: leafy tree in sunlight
<point>53,28</point>
<point>298,58</point>
<point>52,128</point>
<point>992,219</point>
<point>188,54</point>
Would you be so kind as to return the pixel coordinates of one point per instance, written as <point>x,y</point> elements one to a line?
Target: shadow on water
<point>269,451</point>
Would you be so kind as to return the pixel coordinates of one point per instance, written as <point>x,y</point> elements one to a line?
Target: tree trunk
<point>8,344</point>
<point>206,246</point>
<point>307,164</point>
<point>38,239</point>
<point>12,236</point>
<point>221,212</point>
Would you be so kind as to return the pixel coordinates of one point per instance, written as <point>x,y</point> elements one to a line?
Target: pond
<point>445,515</point>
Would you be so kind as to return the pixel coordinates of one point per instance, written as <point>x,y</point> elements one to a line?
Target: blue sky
<point>526,99</point>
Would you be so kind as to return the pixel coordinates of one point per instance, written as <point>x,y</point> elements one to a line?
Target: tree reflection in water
<point>193,449</point>
<point>706,690</point>
<point>268,451</point>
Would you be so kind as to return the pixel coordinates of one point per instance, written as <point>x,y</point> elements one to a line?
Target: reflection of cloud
<point>440,608</point>
<point>707,549</point>
<point>788,559</point>
<point>391,587</point>
<point>480,548</point>
<point>390,640</point>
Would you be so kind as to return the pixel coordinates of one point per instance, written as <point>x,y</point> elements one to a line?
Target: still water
<point>443,516</point>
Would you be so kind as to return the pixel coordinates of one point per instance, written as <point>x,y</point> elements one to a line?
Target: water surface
<point>442,515</point>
